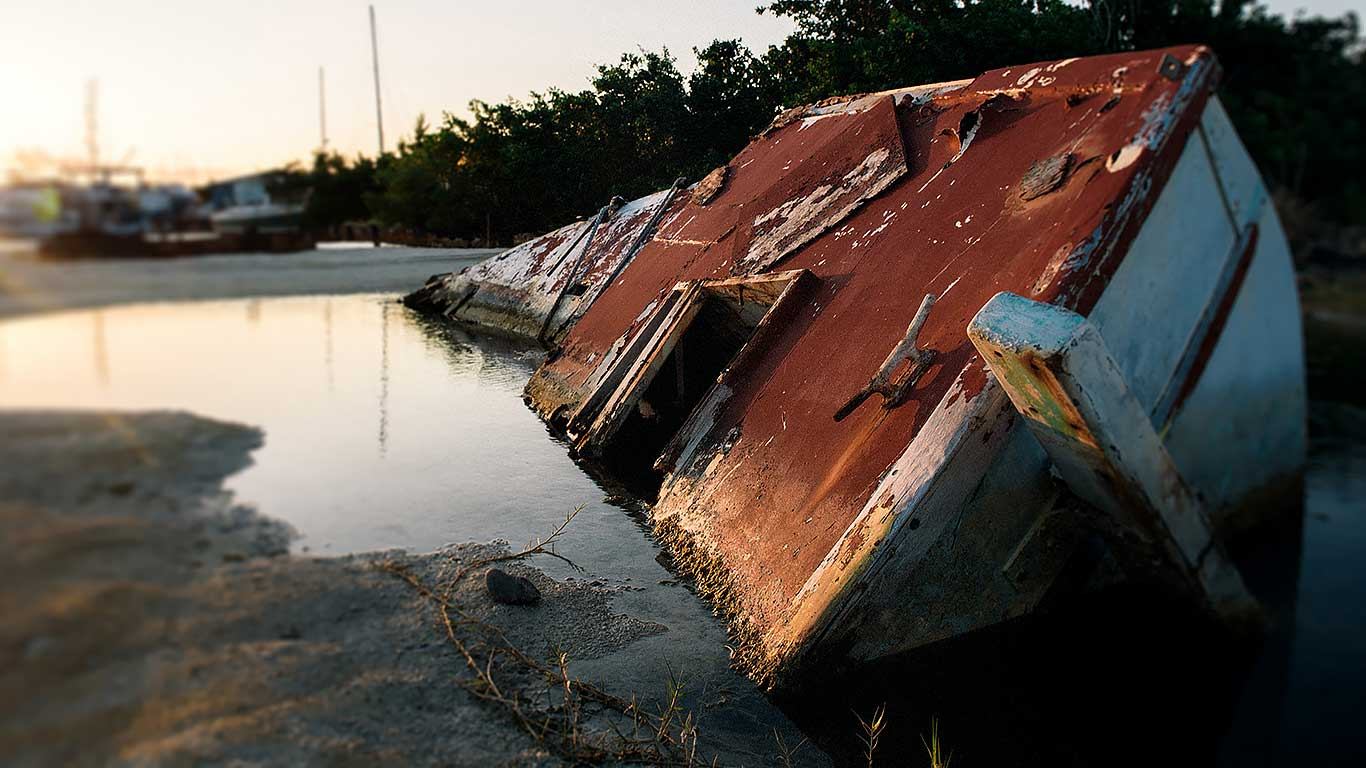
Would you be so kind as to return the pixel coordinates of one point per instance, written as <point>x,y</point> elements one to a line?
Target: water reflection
<point>327,344</point>
<point>402,437</point>
<point>1327,672</point>
<point>383,378</point>
<point>98,348</point>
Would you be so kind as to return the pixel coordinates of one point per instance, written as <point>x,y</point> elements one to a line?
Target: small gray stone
<point>505,588</point>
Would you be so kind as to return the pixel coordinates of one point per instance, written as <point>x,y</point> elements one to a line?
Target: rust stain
<point>853,545</point>
<point>820,187</point>
<point>1046,175</point>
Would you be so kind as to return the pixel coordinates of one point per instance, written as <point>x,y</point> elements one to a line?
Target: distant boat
<point>33,211</point>
<point>252,205</point>
<point>246,214</point>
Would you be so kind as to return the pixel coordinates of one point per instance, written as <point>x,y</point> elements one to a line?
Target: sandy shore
<point>29,285</point>
<point>150,620</point>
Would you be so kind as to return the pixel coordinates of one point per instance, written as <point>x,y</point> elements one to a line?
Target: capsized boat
<point>912,356</point>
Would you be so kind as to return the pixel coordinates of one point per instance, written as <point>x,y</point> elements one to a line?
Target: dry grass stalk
<point>870,731</point>
<point>668,738</point>
<point>544,546</point>
<point>785,753</point>
<point>933,748</point>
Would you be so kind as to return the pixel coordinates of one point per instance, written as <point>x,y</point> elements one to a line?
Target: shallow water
<point>1327,674</point>
<point>383,430</point>
<point>378,433</point>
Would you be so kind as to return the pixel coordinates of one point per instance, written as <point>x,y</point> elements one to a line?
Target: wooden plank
<point>1200,343</point>
<point>621,365</point>
<point>642,370</point>
<point>929,483</point>
<point>863,161</point>
<point>1060,377</point>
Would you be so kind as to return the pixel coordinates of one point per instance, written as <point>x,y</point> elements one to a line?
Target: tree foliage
<point>1293,88</point>
<point>336,189</point>
<point>526,166</point>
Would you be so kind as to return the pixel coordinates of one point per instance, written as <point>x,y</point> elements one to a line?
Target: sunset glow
<point>195,91</point>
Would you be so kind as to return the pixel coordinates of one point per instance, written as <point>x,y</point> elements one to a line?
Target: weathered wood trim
<point>617,363</point>
<point>789,286</point>
<point>766,288</point>
<point>930,483</point>
<point>1199,344</point>
<point>638,367</point>
<point>1060,377</point>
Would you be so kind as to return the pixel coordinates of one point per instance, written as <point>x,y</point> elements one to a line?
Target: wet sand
<point>150,620</point>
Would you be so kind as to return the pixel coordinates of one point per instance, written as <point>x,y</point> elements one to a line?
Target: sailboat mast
<point>322,108</point>
<point>92,129</point>
<point>374,57</point>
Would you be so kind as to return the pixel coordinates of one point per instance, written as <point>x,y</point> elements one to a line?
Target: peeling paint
<point>1160,116</point>
<point>1028,76</point>
<point>795,221</point>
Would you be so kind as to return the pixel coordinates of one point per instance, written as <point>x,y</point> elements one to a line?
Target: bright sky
<point>192,90</point>
<point>188,87</point>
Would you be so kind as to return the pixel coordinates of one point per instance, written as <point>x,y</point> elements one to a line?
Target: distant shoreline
<point>32,286</point>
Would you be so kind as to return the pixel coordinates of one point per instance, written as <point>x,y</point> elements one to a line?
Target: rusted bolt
<point>1171,67</point>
